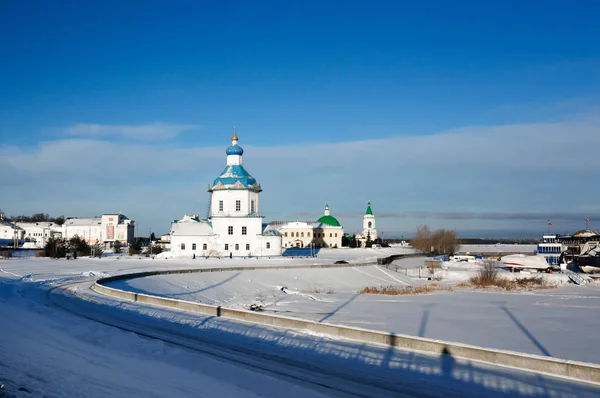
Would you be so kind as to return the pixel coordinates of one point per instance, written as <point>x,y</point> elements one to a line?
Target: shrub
<point>156,249</point>
<point>56,248</point>
<point>392,290</point>
<point>135,248</point>
<point>487,275</point>
<point>97,249</point>
<point>79,247</point>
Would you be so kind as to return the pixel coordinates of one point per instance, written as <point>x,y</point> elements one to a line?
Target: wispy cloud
<point>472,178</point>
<point>150,132</point>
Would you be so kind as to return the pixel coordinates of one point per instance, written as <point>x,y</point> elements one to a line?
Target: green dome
<point>329,220</point>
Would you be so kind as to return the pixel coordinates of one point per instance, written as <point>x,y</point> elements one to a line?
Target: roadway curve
<point>329,367</point>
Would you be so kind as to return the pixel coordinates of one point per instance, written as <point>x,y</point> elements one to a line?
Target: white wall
<point>229,198</point>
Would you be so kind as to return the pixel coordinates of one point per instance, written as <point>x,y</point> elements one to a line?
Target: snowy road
<point>56,342</point>
<point>556,322</point>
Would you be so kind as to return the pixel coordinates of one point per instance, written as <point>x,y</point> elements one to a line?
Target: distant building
<point>39,233</point>
<point>9,232</point>
<point>107,229</point>
<point>369,229</point>
<point>165,241</point>
<point>325,232</point>
<point>234,227</point>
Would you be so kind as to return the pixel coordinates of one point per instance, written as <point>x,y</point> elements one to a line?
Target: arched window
<point>370,224</point>
<point>302,234</point>
<point>285,234</point>
<point>296,234</point>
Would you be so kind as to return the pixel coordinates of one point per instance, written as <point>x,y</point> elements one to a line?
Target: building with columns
<point>325,232</point>
<point>369,229</point>
<point>107,229</point>
<point>234,227</point>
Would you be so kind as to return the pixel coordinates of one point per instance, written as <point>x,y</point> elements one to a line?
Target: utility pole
<point>150,240</point>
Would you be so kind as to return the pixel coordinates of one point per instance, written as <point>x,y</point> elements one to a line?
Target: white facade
<point>106,229</point>
<point>310,234</point>
<point>369,227</point>
<point>234,227</point>
<point>9,232</point>
<point>40,232</point>
<point>325,232</point>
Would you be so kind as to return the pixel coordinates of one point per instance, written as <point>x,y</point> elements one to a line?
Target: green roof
<point>329,220</point>
<point>369,211</point>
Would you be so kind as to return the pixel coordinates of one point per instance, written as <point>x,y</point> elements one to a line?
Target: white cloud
<point>451,179</point>
<point>156,131</point>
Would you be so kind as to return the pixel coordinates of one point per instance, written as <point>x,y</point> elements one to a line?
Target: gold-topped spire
<point>234,137</point>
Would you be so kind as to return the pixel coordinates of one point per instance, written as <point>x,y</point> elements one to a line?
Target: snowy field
<point>557,322</point>
<point>497,248</point>
<point>56,342</point>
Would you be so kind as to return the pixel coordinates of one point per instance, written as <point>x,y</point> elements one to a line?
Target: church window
<point>296,234</point>
<point>252,209</point>
<point>226,246</point>
<point>237,246</point>
<point>247,246</point>
<point>330,235</point>
<point>302,234</point>
<point>220,205</point>
<point>269,245</point>
<point>183,246</point>
<point>285,234</point>
<point>204,246</point>
<point>244,230</point>
<point>336,234</point>
<point>230,230</point>
<point>370,224</point>
<point>308,234</point>
<point>193,246</point>
<point>238,205</point>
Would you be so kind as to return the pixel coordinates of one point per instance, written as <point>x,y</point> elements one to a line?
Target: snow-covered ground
<point>497,248</point>
<point>52,352</point>
<point>558,322</point>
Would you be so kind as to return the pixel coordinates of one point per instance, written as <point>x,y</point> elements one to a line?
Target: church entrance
<point>299,243</point>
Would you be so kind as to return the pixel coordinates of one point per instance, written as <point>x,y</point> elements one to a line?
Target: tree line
<point>76,247</point>
<point>37,217</point>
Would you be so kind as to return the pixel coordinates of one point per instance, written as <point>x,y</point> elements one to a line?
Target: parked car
<point>341,262</point>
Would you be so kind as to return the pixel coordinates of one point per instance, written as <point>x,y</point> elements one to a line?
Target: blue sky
<point>469,115</point>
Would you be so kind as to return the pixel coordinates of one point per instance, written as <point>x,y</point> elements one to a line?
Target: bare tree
<point>422,239</point>
<point>441,241</point>
<point>445,241</point>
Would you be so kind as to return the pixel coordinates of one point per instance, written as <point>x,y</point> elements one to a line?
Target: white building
<point>234,227</point>
<point>369,229</point>
<point>40,232</point>
<point>9,233</point>
<point>325,232</point>
<point>107,229</point>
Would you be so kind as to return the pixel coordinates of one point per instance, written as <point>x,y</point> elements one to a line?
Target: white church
<point>369,231</point>
<point>234,227</point>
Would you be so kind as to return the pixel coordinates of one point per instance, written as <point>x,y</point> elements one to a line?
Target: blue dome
<point>234,150</point>
<point>234,173</point>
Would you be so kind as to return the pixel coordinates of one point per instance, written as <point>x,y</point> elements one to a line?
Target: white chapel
<point>369,230</point>
<point>234,227</point>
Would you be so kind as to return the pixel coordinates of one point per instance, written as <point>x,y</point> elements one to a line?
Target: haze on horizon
<point>477,117</point>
